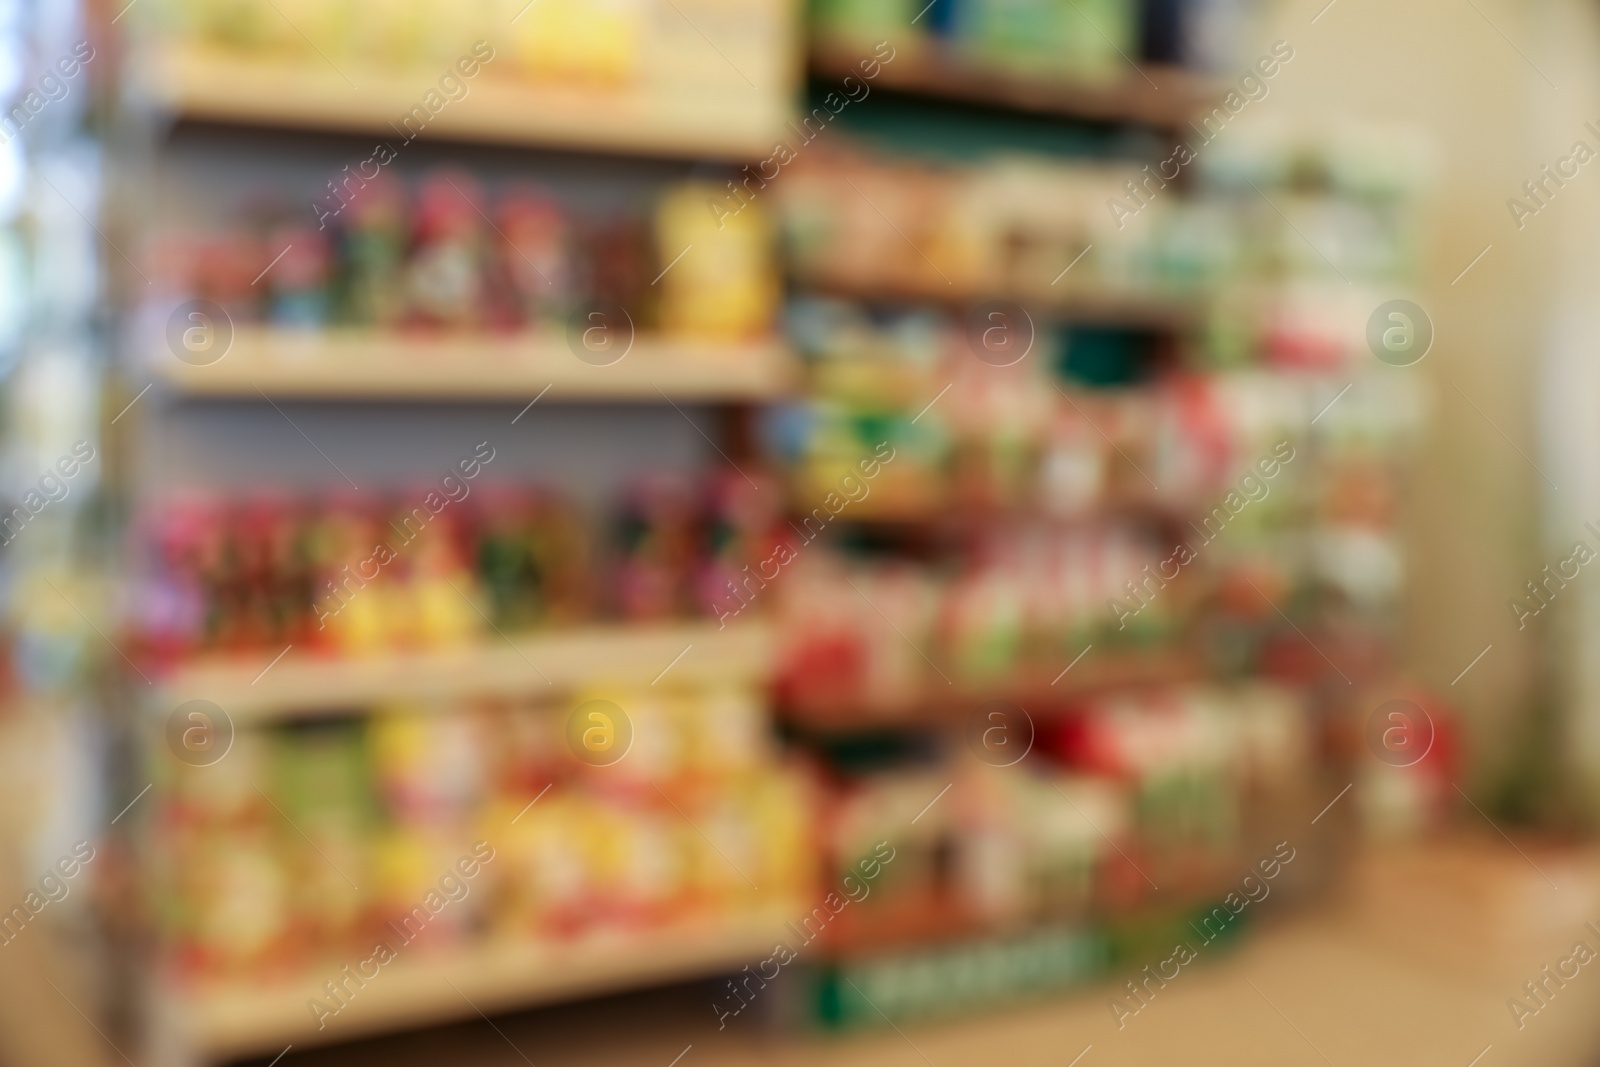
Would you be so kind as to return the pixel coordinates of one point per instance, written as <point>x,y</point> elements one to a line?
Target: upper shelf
<point>1162,95</point>
<point>214,85</point>
<point>354,364</point>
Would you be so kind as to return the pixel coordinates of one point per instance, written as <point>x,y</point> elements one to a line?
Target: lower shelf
<point>219,1021</point>
<point>357,364</point>
<point>544,661</point>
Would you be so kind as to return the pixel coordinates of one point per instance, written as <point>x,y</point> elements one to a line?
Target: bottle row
<point>448,255</point>
<point>1018,589</point>
<point>1083,420</point>
<point>879,637</point>
<point>1262,229</point>
<point>1125,790</point>
<point>436,567</point>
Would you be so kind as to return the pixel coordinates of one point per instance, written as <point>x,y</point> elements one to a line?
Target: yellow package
<point>641,738</point>
<point>652,876</point>
<point>581,42</point>
<point>387,35</point>
<point>728,729</point>
<point>443,616</point>
<point>728,861</point>
<point>402,873</point>
<point>362,624</point>
<point>781,805</point>
<point>306,27</point>
<point>560,862</point>
<point>511,880</point>
<point>721,281</point>
<point>238,892</point>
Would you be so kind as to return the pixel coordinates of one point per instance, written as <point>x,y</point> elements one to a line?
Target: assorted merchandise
<point>1336,241</point>
<point>1138,515</point>
<point>1011,594</point>
<point>1022,438</point>
<point>1324,232</point>
<point>1037,38</point>
<point>1046,42</point>
<point>348,576</point>
<point>430,811</point>
<point>1123,241</point>
<point>1002,623</point>
<point>1169,477</point>
<point>1118,790</point>
<point>1128,489</point>
<point>1160,493</point>
<point>1413,794</point>
<point>875,225</point>
<point>447,256</point>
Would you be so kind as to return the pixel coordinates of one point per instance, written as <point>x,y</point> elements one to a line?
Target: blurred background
<point>861,531</point>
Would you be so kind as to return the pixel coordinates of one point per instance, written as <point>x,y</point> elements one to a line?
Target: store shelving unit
<point>209,1020</point>
<point>187,85</point>
<point>367,365</point>
<point>926,954</point>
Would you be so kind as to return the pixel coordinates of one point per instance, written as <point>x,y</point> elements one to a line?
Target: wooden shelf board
<point>967,518</point>
<point>918,920</point>
<point>365,364</point>
<point>1149,311</point>
<point>1039,696</point>
<point>217,85</point>
<point>551,662</point>
<point>943,74</point>
<point>220,1021</point>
